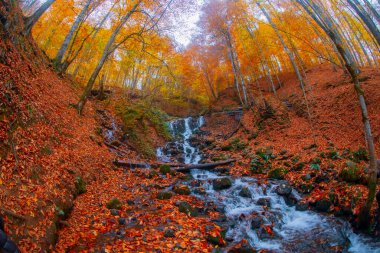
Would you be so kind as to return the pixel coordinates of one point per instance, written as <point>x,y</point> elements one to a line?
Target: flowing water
<point>246,217</point>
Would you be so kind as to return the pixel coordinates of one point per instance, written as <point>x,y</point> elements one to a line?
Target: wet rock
<point>284,189</point>
<point>216,240</point>
<point>306,188</point>
<point>302,206</point>
<point>200,191</point>
<point>242,247</point>
<point>291,200</point>
<point>169,233</point>
<point>257,221</point>
<point>164,195</point>
<point>186,208</point>
<point>323,205</point>
<point>245,193</point>
<point>182,190</point>
<point>122,221</point>
<point>265,232</point>
<point>263,202</point>
<point>221,184</point>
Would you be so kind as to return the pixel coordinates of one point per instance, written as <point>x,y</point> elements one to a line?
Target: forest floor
<point>61,192</point>
<point>324,159</point>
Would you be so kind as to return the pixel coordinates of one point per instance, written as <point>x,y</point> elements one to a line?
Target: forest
<point>232,126</point>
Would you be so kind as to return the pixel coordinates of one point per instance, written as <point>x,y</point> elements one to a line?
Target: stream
<point>259,214</point>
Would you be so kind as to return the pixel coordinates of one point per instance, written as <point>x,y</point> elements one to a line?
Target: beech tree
<point>329,26</point>
<point>32,20</point>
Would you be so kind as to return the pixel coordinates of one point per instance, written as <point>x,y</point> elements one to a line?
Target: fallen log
<point>185,168</point>
<point>204,166</point>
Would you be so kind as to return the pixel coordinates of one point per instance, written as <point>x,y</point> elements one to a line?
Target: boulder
<point>245,193</point>
<point>263,202</point>
<point>242,247</point>
<point>182,190</point>
<point>323,205</point>
<point>257,221</point>
<point>186,208</point>
<point>221,184</point>
<point>284,189</point>
<point>169,233</point>
<point>164,195</point>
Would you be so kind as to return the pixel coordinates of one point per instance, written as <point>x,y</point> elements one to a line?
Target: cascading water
<point>262,216</point>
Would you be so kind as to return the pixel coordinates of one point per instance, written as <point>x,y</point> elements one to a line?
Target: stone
<point>263,202</point>
<point>182,190</point>
<point>186,208</point>
<point>245,193</point>
<point>114,204</point>
<point>164,195</point>
<point>284,189</point>
<point>323,205</point>
<point>200,191</point>
<point>221,184</point>
<point>169,233</point>
<point>122,221</point>
<point>265,232</point>
<point>302,206</point>
<point>257,221</point>
<point>130,202</point>
<point>278,173</point>
<point>242,247</point>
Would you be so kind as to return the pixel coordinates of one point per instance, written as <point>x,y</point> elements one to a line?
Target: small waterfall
<point>182,148</point>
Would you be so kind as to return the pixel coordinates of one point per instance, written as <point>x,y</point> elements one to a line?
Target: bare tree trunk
<point>327,24</point>
<point>32,20</point>
<point>374,12</point>
<point>294,64</point>
<point>106,52</point>
<point>355,4</point>
<point>61,52</point>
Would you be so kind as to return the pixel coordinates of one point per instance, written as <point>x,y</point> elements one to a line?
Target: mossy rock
<point>278,173</point>
<point>221,184</point>
<point>323,205</point>
<point>182,190</point>
<point>165,169</point>
<point>80,186</point>
<point>186,208</point>
<point>350,173</point>
<point>164,195</point>
<point>299,166</point>
<point>114,204</point>
<point>245,193</point>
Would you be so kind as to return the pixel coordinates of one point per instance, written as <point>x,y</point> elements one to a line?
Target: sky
<point>185,24</point>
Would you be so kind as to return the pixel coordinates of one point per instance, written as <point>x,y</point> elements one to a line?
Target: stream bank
<point>260,214</point>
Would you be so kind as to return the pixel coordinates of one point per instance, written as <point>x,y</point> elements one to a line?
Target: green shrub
<point>360,155</point>
<point>165,169</point>
<point>80,186</point>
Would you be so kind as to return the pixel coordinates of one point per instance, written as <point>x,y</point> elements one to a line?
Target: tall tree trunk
<point>327,24</point>
<point>374,12</point>
<point>355,4</point>
<point>106,52</point>
<point>32,20</point>
<point>61,52</point>
<point>294,64</point>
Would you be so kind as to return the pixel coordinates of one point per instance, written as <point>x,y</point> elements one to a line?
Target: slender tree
<point>32,20</point>
<point>328,25</point>
<point>80,18</point>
